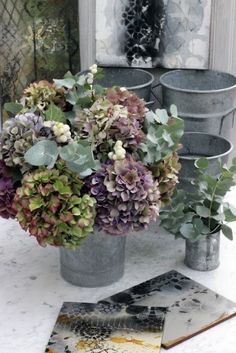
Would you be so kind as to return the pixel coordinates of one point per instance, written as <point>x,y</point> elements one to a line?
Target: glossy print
<point>192,308</point>
<point>106,327</point>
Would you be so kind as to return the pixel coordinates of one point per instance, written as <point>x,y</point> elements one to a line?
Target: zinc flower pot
<point>206,99</point>
<point>136,80</point>
<point>98,261</point>
<point>197,145</point>
<point>203,254</point>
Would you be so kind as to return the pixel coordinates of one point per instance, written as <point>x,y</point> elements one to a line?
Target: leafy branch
<point>204,212</point>
<point>163,134</point>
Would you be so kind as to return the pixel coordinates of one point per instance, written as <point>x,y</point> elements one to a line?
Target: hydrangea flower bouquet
<point>77,156</point>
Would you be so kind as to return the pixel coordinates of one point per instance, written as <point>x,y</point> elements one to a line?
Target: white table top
<point>32,290</point>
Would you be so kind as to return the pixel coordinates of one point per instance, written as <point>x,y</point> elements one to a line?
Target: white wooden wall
<point>87,32</point>
<point>223,36</point>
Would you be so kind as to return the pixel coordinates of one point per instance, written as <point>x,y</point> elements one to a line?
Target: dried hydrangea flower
<point>51,207</point>
<point>166,172</point>
<point>127,196</point>
<point>39,95</point>
<point>7,192</point>
<point>18,135</point>
<point>134,104</point>
<point>105,123</point>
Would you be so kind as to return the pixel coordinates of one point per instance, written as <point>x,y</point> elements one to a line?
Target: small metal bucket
<point>206,99</point>
<point>203,254</point>
<point>197,145</point>
<point>99,261</point>
<point>136,80</point>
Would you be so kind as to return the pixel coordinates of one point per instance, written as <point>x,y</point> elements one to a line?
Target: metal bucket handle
<point>233,110</point>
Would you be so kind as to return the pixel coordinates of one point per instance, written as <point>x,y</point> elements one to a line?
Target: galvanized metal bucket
<point>196,145</point>
<point>136,80</point>
<point>203,254</point>
<point>206,99</point>
<point>99,261</point>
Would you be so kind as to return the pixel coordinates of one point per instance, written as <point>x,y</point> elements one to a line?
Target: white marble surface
<point>32,290</point>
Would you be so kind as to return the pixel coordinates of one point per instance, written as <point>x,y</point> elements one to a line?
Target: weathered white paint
<point>87,32</point>
<point>223,41</point>
<point>223,36</point>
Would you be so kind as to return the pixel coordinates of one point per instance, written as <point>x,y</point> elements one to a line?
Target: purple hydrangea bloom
<point>127,196</point>
<point>18,135</point>
<point>7,192</point>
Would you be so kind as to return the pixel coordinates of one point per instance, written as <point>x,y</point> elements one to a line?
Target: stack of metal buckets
<point>206,100</point>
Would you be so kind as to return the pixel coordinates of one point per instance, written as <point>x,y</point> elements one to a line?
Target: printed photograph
<point>153,33</point>
<point>105,327</point>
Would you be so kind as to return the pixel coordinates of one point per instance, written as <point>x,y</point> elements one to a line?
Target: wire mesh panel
<point>38,40</point>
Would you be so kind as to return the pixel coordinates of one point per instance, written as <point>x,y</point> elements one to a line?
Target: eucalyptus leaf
<point>67,82</point>
<point>83,173</point>
<point>69,152</point>
<point>219,217</point>
<point>99,90</point>
<point>150,117</point>
<point>42,153</point>
<point>13,108</point>
<point>188,231</point>
<point>227,231</point>
<point>70,116</point>
<point>202,211</point>
<point>201,163</point>
<point>55,113</point>
<point>230,212</point>
<point>79,157</point>
<point>167,137</point>
<point>174,111</point>
<point>198,225</point>
<point>84,101</point>
<point>68,74</point>
<point>162,116</point>
<point>72,97</point>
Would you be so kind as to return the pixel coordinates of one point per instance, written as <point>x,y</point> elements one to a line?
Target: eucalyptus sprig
<point>81,89</point>
<point>204,212</point>
<point>163,135</point>
<point>78,156</point>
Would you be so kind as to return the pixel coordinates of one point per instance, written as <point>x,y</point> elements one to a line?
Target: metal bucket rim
<point>211,135</point>
<point>193,90</point>
<point>149,83</point>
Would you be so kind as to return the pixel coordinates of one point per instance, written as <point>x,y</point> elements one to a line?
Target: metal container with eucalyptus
<point>201,216</point>
<point>99,261</point>
<point>196,145</point>
<point>204,253</point>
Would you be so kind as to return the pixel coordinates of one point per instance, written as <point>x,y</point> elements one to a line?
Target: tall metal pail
<point>205,99</point>
<point>135,80</point>
<point>196,145</point>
